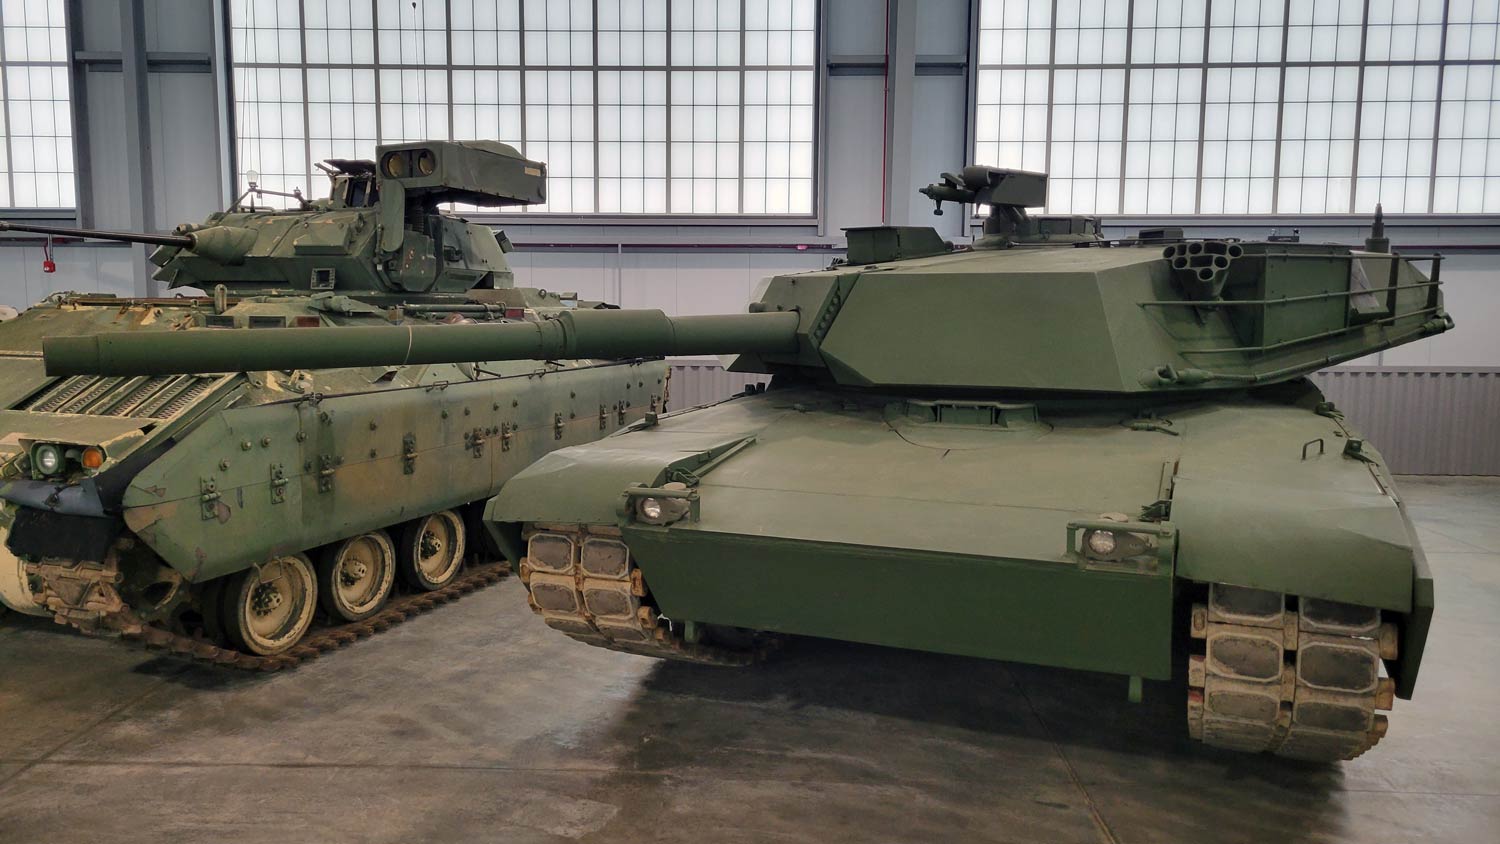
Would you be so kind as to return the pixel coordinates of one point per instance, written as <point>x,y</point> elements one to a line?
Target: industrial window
<point>36,135</point>
<point>1244,106</point>
<point>637,106</point>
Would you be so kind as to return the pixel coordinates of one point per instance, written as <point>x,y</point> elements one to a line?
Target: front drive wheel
<point>355,576</point>
<point>267,609</point>
<point>432,551</point>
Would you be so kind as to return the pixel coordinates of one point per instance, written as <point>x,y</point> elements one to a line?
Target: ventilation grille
<point>154,397</point>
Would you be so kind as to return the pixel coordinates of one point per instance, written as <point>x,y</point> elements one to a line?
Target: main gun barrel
<point>571,334</point>
<point>180,241</point>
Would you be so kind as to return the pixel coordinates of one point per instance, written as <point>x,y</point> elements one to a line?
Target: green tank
<point>217,514</point>
<point>1050,448</point>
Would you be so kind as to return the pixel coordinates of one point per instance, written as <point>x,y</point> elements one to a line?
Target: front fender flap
<point>1322,543</point>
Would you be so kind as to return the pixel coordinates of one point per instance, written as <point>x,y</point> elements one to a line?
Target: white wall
<point>1471,293</point>
<point>678,283</point>
<point>86,269</point>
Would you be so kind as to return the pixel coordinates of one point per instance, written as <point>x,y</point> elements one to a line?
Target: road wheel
<point>355,576</point>
<point>432,551</point>
<point>267,609</point>
<point>15,586</point>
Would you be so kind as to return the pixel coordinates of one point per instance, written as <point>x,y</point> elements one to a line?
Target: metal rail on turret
<point>1394,257</point>
<point>1284,300</point>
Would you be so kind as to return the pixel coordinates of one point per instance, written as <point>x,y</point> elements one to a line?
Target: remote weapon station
<point>217,513</point>
<point>1049,447</point>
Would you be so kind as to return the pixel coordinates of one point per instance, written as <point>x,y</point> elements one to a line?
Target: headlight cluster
<point>1103,544</point>
<point>663,510</point>
<point>52,459</point>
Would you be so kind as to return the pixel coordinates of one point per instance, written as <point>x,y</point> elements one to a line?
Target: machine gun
<point>1008,193</point>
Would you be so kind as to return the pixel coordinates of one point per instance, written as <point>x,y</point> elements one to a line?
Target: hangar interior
<point>695,148</point>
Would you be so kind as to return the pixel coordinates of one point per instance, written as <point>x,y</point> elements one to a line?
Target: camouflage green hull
<point>834,521</point>
<point>207,476</point>
<point>839,515</point>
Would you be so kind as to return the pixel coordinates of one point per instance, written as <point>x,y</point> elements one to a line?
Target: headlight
<point>1113,545</point>
<point>47,459</point>
<point>1101,542</point>
<point>663,510</point>
<point>651,509</point>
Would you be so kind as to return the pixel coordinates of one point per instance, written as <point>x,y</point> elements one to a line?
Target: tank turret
<point>381,230</point>
<point>1082,315</point>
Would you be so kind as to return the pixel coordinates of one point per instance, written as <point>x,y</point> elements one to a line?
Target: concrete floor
<point>475,723</point>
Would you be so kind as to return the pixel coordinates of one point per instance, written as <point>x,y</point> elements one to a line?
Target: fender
<point>1356,547</point>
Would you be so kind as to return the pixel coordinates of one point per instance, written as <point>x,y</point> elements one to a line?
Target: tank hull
<point>210,476</point>
<point>301,473</point>
<point>837,514</point>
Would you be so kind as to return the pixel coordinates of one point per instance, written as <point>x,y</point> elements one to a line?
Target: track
<point>583,582</point>
<point>1298,678</point>
<point>108,616</point>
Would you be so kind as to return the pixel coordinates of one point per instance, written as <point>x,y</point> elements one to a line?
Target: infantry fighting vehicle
<point>215,513</point>
<point>1049,447</point>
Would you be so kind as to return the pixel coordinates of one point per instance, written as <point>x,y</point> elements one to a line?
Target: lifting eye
<point>426,162</point>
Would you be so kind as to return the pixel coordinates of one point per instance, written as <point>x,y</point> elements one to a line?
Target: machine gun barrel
<point>571,334</point>
<point>180,241</point>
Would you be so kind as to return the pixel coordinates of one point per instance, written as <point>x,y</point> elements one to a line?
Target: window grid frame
<point>68,200</point>
<point>1440,62</point>
<point>816,72</point>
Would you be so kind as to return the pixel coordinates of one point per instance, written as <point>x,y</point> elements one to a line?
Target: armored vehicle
<point>216,514</point>
<point>1048,447</point>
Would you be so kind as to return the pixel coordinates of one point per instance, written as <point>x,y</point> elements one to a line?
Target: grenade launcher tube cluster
<point>574,334</point>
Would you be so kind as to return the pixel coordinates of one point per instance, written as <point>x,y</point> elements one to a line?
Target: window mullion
<point>1437,112</point>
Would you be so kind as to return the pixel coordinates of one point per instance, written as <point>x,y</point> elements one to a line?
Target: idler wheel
<point>267,609</point>
<point>432,551</point>
<point>355,576</point>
